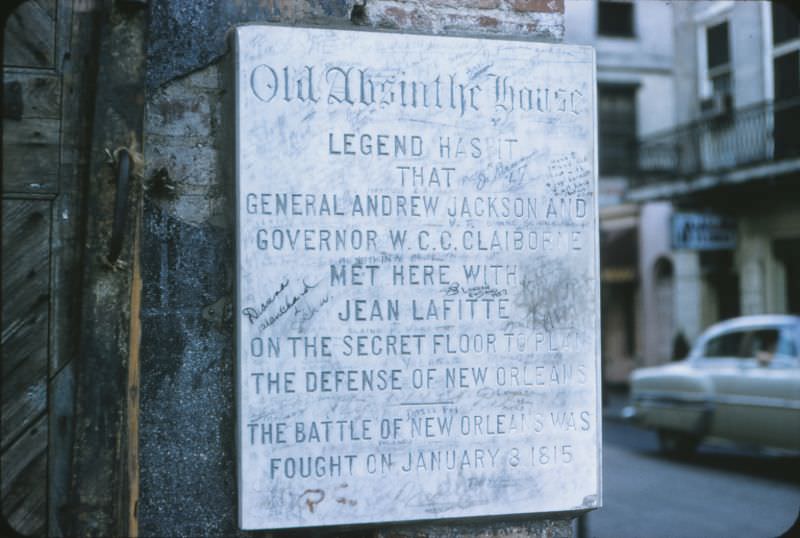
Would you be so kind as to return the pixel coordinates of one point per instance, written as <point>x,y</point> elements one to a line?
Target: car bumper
<point>689,414</point>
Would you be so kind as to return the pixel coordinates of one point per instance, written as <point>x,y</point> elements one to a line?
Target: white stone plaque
<point>417,288</point>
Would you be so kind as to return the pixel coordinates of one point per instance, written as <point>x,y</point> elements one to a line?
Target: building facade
<point>636,64</point>
<point>730,168</point>
<point>698,148</point>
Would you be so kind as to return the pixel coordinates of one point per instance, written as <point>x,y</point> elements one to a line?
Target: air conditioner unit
<point>718,105</point>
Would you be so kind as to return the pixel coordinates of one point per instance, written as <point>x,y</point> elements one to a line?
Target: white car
<point>740,382</point>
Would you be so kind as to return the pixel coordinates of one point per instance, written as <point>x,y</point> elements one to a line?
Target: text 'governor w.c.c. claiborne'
<point>417,298</point>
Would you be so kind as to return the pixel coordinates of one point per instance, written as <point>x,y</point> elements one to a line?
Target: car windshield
<point>748,343</point>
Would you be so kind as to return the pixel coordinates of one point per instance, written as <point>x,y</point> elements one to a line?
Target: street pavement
<point>719,492</point>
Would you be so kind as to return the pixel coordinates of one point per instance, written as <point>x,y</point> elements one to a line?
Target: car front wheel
<point>674,443</point>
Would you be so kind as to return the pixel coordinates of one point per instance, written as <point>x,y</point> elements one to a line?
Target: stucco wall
<point>749,26</point>
<point>646,59</point>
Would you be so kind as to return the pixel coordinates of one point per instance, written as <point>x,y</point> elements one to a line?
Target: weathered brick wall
<point>187,415</point>
<point>186,36</point>
<point>534,19</point>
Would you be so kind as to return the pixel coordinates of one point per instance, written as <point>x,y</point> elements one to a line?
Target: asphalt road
<point>719,492</point>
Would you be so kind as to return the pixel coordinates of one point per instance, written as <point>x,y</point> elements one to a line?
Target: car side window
<point>724,345</point>
<point>762,341</point>
<point>753,343</point>
<point>787,347</point>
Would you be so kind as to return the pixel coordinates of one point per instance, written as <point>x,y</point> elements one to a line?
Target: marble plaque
<point>417,304</point>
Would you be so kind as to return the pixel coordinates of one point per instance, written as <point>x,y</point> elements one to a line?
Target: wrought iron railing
<point>727,140</point>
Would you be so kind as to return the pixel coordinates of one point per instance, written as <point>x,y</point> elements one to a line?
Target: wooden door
<point>45,75</point>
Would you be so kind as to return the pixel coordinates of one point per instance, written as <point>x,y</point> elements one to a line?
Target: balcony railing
<point>761,133</point>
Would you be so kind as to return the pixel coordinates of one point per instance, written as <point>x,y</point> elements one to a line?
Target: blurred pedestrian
<point>680,347</point>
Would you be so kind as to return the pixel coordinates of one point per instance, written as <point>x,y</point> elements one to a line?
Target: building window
<point>615,18</point>
<point>787,76</point>
<point>616,104</point>
<point>785,24</point>
<point>719,59</point>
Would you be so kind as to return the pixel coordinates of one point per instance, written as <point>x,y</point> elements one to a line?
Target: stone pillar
<point>654,246</point>
<point>688,294</point>
<point>188,459</point>
<point>753,274</point>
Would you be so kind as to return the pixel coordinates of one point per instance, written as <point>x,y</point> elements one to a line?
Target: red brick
<point>396,15</point>
<point>539,6</point>
<point>403,18</point>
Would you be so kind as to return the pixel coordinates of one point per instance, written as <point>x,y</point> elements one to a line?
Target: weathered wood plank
<point>30,35</point>
<point>31,132</point>
<point>76,40</point>
<point>100,468</point>
<point>61,416</point>
<point>25,311</point>
<point>24,484</point>
<point>30,155</point>
<point>26,296</point>
<point>35,166</point>
<point>41,93</point>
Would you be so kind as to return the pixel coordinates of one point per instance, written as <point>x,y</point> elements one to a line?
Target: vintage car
<point>740,382</point>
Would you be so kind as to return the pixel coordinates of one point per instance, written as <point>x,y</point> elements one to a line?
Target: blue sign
<point>703,231</point>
